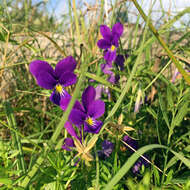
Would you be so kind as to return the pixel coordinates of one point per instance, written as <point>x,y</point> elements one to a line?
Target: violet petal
<point>93,129</point>
<point>96,109</point>
<point>88,96</point>
<point>119,61</point>
<point>68,142</point>
<point>106,69</point>
<point>77,117</point>
<point>103,44</point>
<point>133,143</point>
<point>37,66</point>
<point>45,80</point>
<point>117,29</point>
<point>110,55</point>
<point>70,129</point>
<point>105,32</point>
<point>67,64</point>
<point>67,79</point>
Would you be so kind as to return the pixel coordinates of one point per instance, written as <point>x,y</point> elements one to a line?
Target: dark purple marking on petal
<point>38,66</point>
<point>103,44</point>
<point>110,55</point>
<point>106,32</point>
<point>77,117</point>
<point>55,98</point>
<point>45,80</point>
<point>67,64</point>
<point>59,98</point>
<point>88,97</point>
<point>67,79</point>
<point>96,109</point>
<point>94,128</point>
<point>70,129</point>
<point>117,29</point>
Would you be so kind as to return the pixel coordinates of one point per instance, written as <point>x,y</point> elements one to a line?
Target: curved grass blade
<point>130,162</point>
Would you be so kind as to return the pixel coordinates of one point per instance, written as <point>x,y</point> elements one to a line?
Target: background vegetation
<point>31,127</point>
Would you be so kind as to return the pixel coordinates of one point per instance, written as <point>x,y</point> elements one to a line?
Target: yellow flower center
<point>90,121</point>
<point>112,48</point>
<point>59,89</point>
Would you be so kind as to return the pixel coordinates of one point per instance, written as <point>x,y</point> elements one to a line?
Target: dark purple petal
<point>68,142</point>
<point>94,128</point>
<point>65,65</point>
<point>38,66</point>
<point>77,117</point>
<point>96,109</point>
<point>119,61</point>
<point>117,29</point>
<point>45,80</point>
<point>67,79</point>
<point>88,96</point>
<point>103,44</point>
<point>110,55</point>
<point>105,32</point>
<point>133,143</point>
<point>70,129</point>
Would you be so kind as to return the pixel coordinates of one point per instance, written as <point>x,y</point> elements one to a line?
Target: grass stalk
<point>162,43</point>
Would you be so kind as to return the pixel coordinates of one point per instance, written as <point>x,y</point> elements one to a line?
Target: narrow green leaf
<point>130,162</point>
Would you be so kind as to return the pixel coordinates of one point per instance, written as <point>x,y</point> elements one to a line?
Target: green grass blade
<point>17,142</point>
<point>129,163</point>
<point>163,44</point>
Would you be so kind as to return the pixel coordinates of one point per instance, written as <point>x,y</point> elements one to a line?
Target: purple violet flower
<point>110,41</point>
<point>131,142</point>
<point>88,112</point>
<point>55,79</point>
<point>107,148</point>
<point>100,89</point>
<point>106,69</point>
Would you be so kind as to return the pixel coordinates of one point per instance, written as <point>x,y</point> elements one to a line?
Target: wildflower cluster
<point>110,45</point>
<point>85,114</point>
